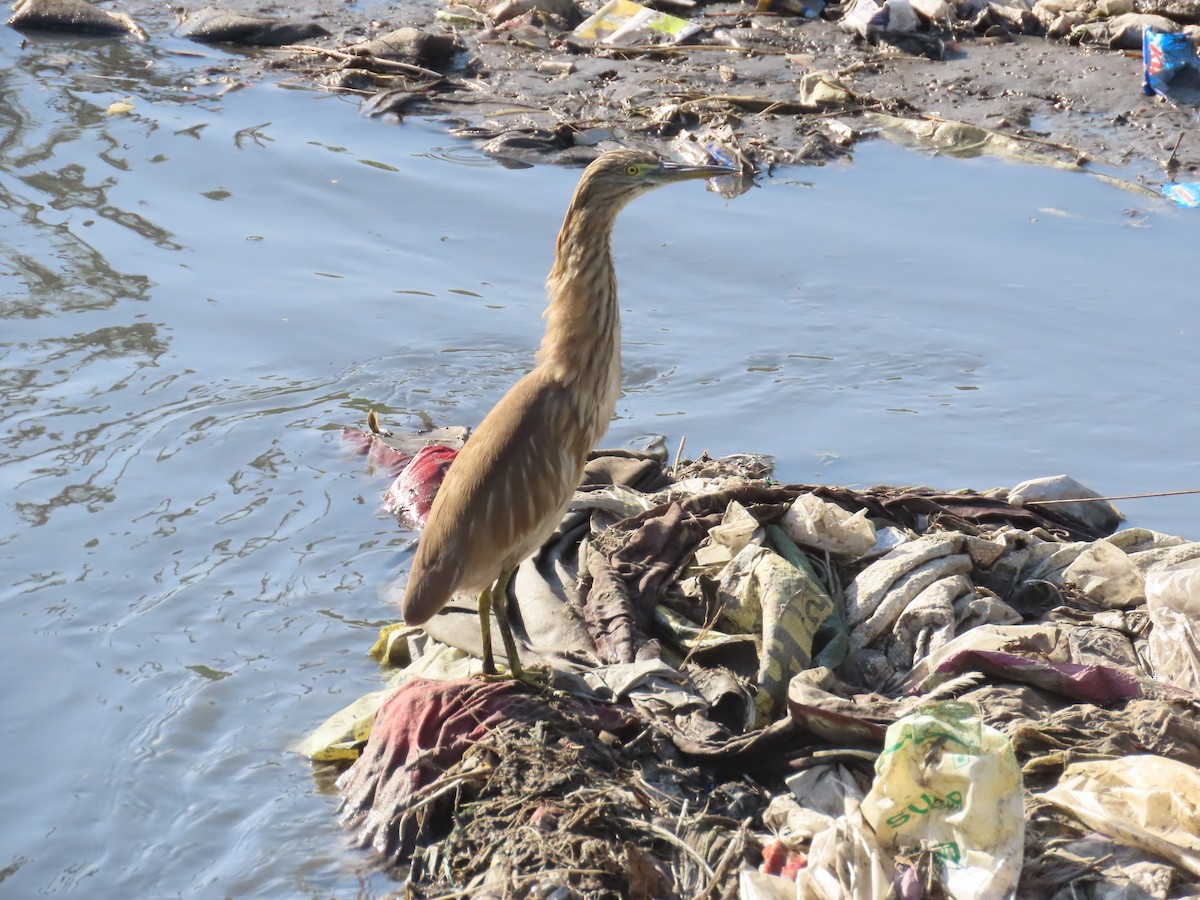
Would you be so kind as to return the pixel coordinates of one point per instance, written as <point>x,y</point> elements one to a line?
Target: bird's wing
<point>502,497</point>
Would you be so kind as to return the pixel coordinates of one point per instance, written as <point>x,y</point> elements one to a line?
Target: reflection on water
<point>168,542</point>
<point>56,268</point>
<point>52,193</point>
<point>197,293</point>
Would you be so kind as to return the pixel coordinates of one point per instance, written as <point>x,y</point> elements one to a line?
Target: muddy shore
<point>529,91</point>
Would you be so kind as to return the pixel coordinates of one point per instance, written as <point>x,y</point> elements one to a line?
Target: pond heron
<point>508,488</point>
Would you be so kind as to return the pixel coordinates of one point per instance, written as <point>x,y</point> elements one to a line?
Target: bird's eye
<point>632,170</point>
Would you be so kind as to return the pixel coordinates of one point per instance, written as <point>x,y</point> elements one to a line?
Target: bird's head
<point>616,177</point>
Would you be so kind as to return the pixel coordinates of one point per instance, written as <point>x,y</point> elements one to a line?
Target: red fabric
<point>378,454</point>
<point>422,730</point>
<point>779,860</point>
<point>416,478</point>
<point>419,732</point>
<point>411,494</point>
<point>438,720</point>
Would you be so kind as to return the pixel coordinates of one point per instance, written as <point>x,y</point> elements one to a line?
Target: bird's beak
<point>670,171</point>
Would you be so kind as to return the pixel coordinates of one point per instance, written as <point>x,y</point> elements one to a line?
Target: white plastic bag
<point>949,784</point>
<point>821,525</point>
<point>1173,601</point>
<point>1107,575</point>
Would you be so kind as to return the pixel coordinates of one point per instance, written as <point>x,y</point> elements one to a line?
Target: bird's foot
<point>538,678</point>
<point>489,677</point>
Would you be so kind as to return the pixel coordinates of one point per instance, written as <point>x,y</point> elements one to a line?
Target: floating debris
<point>766,690</point>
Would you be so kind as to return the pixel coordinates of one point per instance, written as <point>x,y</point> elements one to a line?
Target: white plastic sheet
<point>1141,801</point>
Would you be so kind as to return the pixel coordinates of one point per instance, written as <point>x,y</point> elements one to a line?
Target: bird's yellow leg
<point>500,595</point>
<point>535,679</point>
<point>485,629</point>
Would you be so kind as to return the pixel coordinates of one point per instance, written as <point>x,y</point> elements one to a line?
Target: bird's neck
<point>582,344</point>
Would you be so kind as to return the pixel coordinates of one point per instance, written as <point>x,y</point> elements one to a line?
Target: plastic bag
<point>1185,193</point>
<point>813,522</point>
<point>623,21</point>
<point>867,16</point>
<point>950,785</point>
<point>1107,576</point>
<point>1163,57</point>
<point>762,591</point>
<point>1173,601</point>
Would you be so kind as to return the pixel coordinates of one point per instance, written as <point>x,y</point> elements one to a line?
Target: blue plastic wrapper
<point>1186,193</point>
<point>1163,57</point>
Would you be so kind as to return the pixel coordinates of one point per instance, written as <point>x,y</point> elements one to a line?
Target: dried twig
<point>678,457</point>
<point>443,786</point>
<point>1172,162</point>
<point>732,851</point>
<point>699,640</point>
<point>374,60</point>
<point>675,841</point>
<point>603,50</point>
<point>752,103</point>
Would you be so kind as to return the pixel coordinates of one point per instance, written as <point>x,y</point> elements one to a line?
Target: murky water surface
<point>195,293</point>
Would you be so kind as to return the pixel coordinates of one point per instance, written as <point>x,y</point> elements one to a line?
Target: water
<point>197,293</point>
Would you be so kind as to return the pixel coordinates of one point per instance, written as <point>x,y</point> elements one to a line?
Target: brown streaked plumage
<point>509,487</point>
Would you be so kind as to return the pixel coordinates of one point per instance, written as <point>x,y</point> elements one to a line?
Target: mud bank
<point>773,87</point>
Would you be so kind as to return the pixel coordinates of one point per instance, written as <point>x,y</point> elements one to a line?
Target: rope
<point>1117,497</point>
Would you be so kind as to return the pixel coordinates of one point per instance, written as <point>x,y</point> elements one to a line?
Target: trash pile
<point>766,691</point>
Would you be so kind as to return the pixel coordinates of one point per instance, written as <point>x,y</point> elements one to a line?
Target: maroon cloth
<point>417,469</point>
<point>1086,684</point>
<point>422,730</point>
<point>378,454</point>
<point>411,494</point>
<point>419,732</point>
<point>633,572</point>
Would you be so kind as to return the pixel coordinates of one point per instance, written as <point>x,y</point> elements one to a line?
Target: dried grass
<point>551,809</point>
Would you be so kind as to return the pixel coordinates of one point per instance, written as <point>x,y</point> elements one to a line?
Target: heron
<point>510,485</point>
